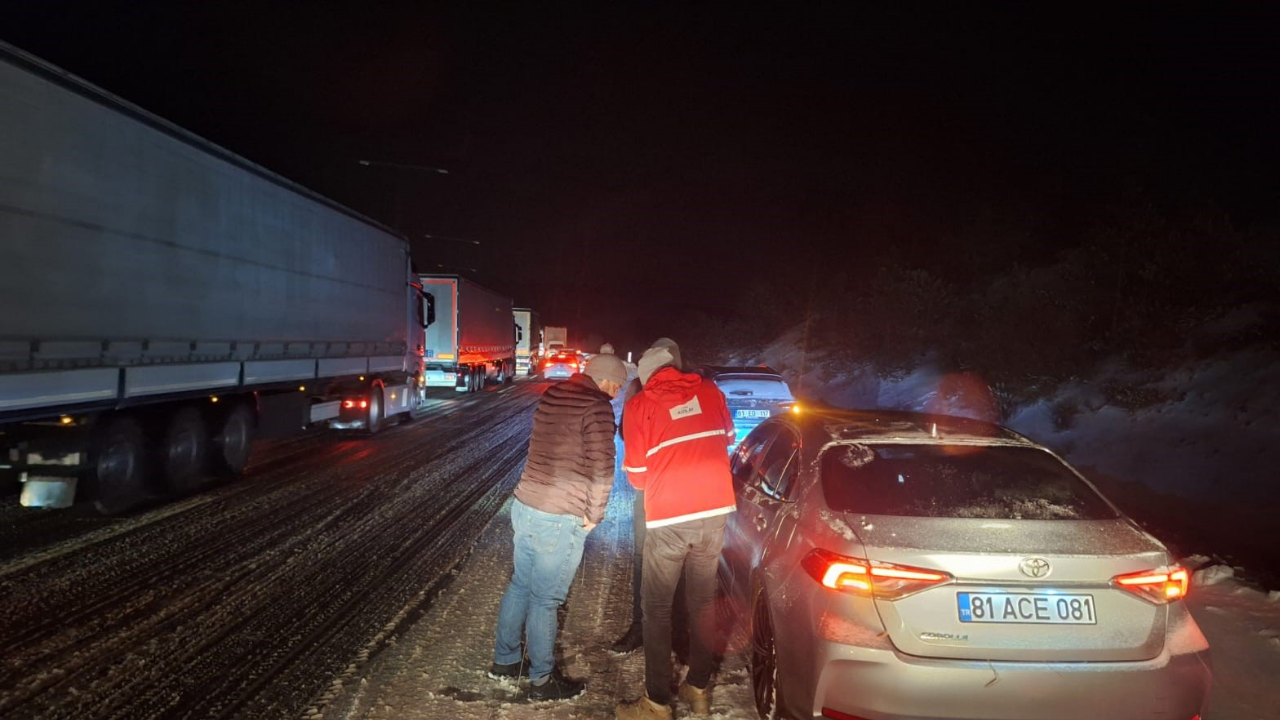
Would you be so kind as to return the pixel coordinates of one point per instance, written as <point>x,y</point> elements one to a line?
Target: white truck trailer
<point>163,301</point>
<point>471,334</point>
<point>556,337</point>
<point>529,346</point>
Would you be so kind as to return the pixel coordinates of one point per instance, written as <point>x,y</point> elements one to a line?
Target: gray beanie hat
<point>606,367</point>
<point>670,344</point>
<point>653,360</point>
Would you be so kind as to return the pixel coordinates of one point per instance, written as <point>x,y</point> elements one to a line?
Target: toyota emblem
<point>1036,567</point>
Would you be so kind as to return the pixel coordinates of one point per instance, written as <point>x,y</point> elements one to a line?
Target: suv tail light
<point>883,580</point>
<point>1161,586</point>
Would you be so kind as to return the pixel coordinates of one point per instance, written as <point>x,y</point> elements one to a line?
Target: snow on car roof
<point>890,425</point>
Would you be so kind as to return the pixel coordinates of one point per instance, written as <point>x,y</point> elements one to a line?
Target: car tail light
<point>348,404</point>
<point>1159,586</point>
<point>883,580</point>
<point>573,365</point>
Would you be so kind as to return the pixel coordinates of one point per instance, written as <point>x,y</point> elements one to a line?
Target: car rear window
<point>753,387</point>
<point>957,481</point>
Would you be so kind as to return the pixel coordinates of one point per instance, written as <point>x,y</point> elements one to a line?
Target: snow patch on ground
<point>1213,575</point>
<point>1242,625</point>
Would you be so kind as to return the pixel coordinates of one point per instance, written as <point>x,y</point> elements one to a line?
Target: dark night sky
<point>619,163</point>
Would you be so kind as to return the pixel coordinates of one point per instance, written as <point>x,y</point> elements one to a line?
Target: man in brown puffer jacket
<point>561,496</point>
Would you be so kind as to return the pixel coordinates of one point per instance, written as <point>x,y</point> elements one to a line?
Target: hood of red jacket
<point>670,387</point>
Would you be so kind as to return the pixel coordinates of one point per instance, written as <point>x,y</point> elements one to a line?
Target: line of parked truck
<point>165,302</point>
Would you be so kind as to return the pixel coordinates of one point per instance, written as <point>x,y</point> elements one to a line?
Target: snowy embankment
<point>1191,451</point>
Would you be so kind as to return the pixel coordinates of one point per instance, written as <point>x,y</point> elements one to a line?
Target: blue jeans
<point>548,549</point>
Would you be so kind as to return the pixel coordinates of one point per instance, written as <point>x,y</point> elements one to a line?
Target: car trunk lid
<point>1021,590</point>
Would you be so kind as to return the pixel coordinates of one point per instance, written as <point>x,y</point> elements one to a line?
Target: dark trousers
<point>637,556</point>
<point>693,549</point>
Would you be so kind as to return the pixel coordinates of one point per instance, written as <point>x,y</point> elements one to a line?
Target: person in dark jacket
<point>561,496</point>
<point>634,636</point>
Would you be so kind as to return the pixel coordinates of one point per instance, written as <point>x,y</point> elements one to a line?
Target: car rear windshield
<point>754,387</point>
<point>957,481</point>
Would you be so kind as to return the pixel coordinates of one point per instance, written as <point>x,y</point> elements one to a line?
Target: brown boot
<point>642,708</point>
<point>699,700</point>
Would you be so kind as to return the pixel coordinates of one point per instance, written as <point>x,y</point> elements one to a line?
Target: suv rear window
<point>756,387</point>
<point>957,481</point>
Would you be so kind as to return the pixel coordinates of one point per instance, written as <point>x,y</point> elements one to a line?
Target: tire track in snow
<point>249,601</point>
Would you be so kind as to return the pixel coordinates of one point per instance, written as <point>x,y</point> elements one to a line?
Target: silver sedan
<point>897,565</point>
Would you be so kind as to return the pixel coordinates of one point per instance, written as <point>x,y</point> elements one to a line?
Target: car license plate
<point>751,414</point>
<point>1043,608</point>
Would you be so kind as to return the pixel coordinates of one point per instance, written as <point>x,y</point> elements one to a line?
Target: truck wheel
<point>373,422</point>
<point>232,442</point>
<point>185,458</point>
<point>119,465</point>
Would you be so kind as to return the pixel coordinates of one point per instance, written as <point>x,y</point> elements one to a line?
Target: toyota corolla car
<point>898,565</point>
<point>753,394</point>
<point>561,365</point>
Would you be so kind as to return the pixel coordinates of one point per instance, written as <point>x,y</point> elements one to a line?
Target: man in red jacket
<point>676,432</point>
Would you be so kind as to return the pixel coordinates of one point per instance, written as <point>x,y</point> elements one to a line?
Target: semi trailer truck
<point>556,337</point>
<point>471,334</point>
<point>529,347</point>
<point>164,302</point>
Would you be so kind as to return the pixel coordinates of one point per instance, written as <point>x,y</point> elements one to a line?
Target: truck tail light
<point>1160,586</point>
<point>348,404</point>
<point>882,580</point>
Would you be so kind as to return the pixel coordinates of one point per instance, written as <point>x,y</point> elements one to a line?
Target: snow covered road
<point>437,668</point>
<point>249,600</point>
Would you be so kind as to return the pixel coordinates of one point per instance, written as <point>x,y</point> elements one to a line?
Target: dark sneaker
<point>509,671</point>
<point>630,640</point>
<point>557,687</point>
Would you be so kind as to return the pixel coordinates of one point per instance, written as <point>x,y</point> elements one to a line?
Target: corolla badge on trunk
<point>943,637</point>
<point>1035,567</point>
